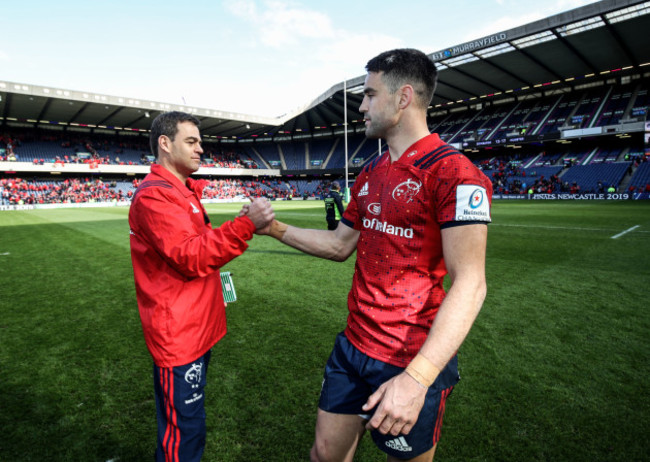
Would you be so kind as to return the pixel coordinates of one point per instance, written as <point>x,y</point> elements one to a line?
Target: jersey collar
<point>417,149</point>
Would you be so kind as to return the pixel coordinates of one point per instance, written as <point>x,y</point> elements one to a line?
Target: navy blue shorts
<point>352,376</point>
<point>180,410</point>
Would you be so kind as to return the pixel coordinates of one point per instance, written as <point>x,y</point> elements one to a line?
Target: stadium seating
<point>641,178</point>
<point>615,107</point>
<point>294,155</point>
<point>270,154</point>
<point>640,105</point>
<point>358,148</point>
<point>539,112</point>
<point>306,187</point>
<point>319,151</point>
<point>589,176</point>
<point>514,123</point>
<point>586,163</point>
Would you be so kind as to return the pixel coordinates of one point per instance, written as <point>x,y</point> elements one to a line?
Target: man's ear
<point>406,96</point>
<point>164,144</point>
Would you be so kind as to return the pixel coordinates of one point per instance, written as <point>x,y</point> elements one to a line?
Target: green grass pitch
<point>557,366</point>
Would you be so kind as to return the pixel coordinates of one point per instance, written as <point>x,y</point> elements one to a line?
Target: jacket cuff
<point>245,226</point>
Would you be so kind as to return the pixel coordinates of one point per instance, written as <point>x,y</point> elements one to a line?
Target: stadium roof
<point>595,42</point>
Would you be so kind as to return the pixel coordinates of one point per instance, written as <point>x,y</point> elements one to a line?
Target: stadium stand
<point>542,162</point>
<point>16,190</point>
<point>270,155</point>
<point>560,123</point>
<point>641,179</point>
<point>593,107</point>
<point>307,188</point>
<point>515,122</point>
<point>366,150</point>
<point>595,178</point>
<point>72,191</point>
<point>615,107</point>
<point>252,157</point>
<point>294,155</point>
<point>319,152</point>
<point>38,147</point>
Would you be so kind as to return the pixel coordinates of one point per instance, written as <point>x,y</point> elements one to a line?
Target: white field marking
<point>567,228</point>
<point>551,227</point>
<point>626,231</point>
<point>5,253</point>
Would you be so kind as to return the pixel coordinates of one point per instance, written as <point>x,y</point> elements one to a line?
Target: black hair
<point>407,66</point>
<point>167,124</point>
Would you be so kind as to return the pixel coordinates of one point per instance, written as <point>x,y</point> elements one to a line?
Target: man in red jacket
<point>176,257</point>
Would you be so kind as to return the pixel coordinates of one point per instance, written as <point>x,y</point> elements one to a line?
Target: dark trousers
<point>180,409</point>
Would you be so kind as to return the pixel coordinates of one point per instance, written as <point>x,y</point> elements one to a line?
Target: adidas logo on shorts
<point>399,444</point>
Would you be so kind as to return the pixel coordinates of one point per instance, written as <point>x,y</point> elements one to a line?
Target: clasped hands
<point>260,213</point>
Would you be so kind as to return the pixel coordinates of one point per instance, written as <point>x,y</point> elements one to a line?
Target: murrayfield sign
<point>469,46</point>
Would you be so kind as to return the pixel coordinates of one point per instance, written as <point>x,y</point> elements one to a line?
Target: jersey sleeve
<point>166,226</point>
<point>463,194</point>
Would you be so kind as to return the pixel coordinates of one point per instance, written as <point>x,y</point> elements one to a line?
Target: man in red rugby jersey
<point>417,212</point>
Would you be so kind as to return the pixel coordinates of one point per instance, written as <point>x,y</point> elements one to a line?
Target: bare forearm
<point>453,321</point>
<point>315,242</point>
<point>332,245</point>
<point>464,253</point>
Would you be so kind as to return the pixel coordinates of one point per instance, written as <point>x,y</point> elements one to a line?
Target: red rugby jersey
<point>399,209</point>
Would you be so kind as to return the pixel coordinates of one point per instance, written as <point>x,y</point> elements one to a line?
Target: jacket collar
<point>191,187</point>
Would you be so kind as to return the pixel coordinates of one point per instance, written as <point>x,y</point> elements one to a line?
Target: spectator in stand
<point>67,191</point>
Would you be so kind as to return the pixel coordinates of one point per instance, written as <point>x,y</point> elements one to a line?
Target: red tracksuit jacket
<point>176,257</point>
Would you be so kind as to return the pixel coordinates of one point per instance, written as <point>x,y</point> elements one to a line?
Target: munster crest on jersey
<point>406,191</point>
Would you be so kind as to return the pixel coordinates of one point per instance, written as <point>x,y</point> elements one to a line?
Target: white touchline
<point>625,232</point>
<point>571,228</point>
